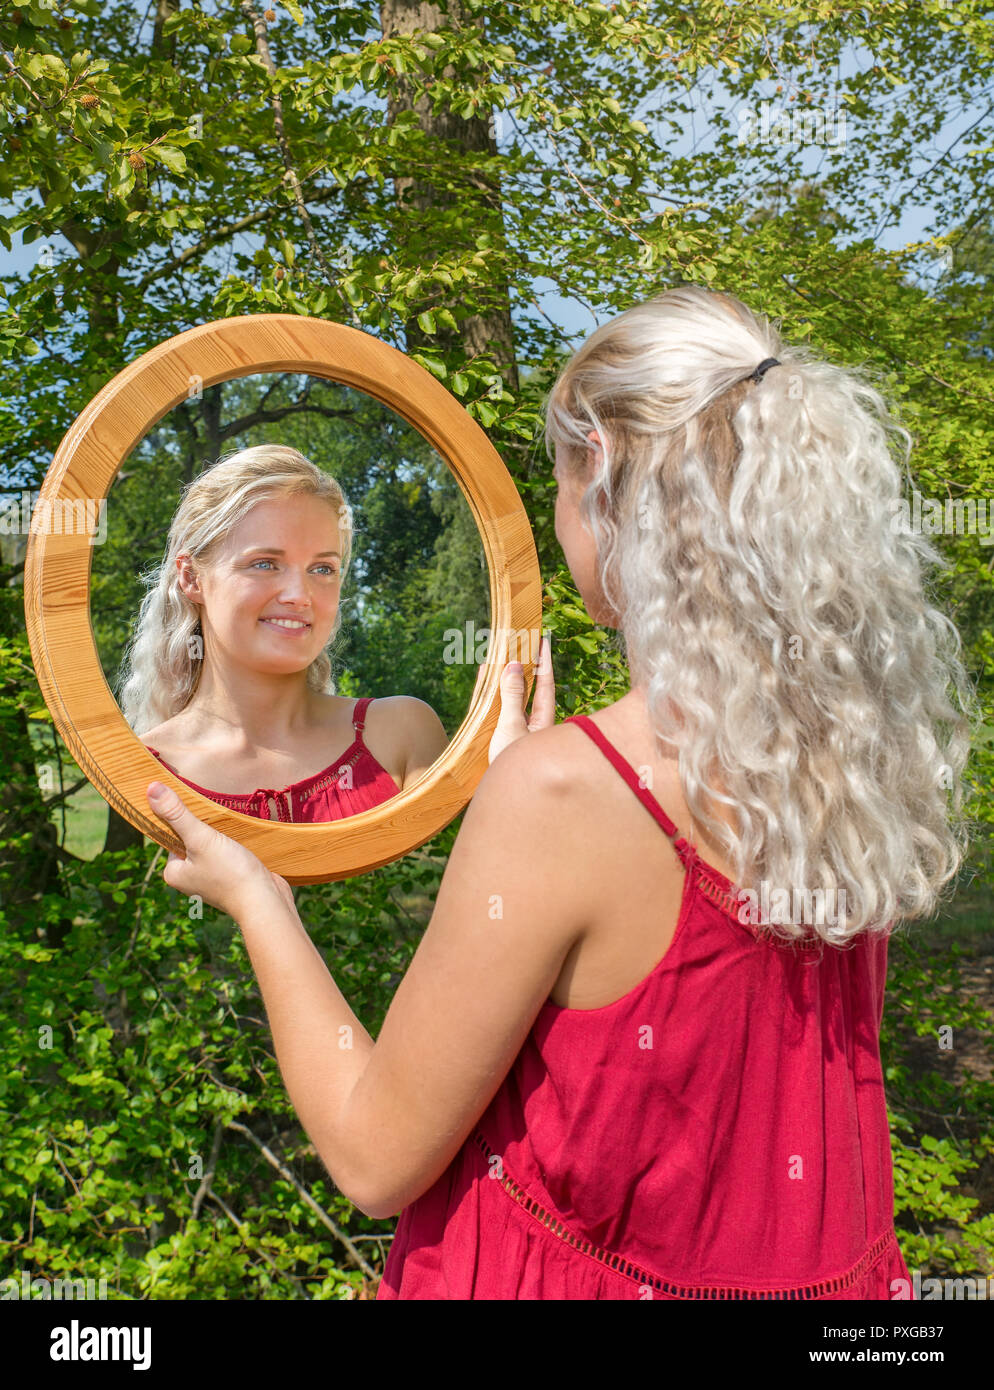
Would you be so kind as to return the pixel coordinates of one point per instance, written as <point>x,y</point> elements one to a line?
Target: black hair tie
<point>763,367</point>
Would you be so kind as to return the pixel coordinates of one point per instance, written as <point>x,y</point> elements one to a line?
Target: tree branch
<point>205,1181</point>
<point>267,417</point>
<point>241,1228</point>
<point>262,45</point>
<point>69,791</point>
<point>204,244</point>
<point>306,1197</point>
<point>904,361</point>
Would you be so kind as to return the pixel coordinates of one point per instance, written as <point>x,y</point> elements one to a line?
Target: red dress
<point>719,1132</point>
<point>331,794</point>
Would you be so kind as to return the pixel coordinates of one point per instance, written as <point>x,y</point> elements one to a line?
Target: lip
<point>277,626</point>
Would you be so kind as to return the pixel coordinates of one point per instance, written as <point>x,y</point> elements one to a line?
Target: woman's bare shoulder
<point>548,757</point>
<point>411,730</point>
<point>167,737</point>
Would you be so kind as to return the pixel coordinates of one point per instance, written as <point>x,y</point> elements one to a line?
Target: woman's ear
<point>189,580</point>
<point>595,454</point>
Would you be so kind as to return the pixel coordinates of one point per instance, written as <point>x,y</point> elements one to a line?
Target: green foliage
<point>139,1039</point>
<point>168,198</point>
<point>942,1129</point>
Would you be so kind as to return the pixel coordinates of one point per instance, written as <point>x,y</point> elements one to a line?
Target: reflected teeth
<point>285,622</point>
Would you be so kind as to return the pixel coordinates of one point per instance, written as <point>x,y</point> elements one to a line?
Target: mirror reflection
<point>285,602</point>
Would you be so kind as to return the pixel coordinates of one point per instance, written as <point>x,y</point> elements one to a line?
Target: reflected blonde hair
<point>771,605</point>
<point>161,668</point>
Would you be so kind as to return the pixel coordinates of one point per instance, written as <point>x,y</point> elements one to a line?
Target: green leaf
<point>426,321</point>
<point>430,364</point>
<point>294,10</point>
<point>122,185</point>
<point>172,158</point>
<point>55,68</point>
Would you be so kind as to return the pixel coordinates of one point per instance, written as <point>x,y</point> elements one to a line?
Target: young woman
<point>602,1077</point>
<point>227,680</point>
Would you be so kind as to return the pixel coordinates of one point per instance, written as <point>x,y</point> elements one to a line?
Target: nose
<point>294,590</point>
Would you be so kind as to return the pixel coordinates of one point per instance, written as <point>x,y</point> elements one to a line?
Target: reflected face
<point>269,594</point>
<point>578,544</point>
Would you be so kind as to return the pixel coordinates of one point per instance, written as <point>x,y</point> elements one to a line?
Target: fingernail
<point>156,789</point>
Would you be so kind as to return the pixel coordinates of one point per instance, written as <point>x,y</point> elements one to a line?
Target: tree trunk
<point>489,333</point>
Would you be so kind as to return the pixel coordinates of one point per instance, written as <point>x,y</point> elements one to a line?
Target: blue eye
<point>334,573</point>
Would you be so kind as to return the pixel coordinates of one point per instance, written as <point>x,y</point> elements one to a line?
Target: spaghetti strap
<point>684,849</point>
<point>359,714</point>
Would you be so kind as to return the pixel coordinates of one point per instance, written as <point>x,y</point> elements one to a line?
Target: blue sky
<point>574,318</point>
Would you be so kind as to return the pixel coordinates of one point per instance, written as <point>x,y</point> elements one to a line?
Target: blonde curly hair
<point>774,611</point>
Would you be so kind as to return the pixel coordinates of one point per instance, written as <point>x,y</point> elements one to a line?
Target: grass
<point>83,826</point>
<point>968,918</point>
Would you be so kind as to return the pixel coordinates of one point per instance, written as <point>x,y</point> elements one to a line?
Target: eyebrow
<point>274,550</point>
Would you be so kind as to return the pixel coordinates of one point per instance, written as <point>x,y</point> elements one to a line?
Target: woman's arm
<point>388,1117</point>
<point>509,910</point>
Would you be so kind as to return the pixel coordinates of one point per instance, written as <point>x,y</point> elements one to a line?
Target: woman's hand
<point>219,870</point>
<point>512,724</point>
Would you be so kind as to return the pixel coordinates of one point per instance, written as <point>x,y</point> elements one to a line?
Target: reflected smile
<point>287,624</point>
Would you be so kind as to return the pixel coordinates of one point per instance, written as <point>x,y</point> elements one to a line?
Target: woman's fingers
<point>543,714</point>
<point>512,723</point>
<point>217,868</point>
<point>168,807</point>
<point>511,720</point>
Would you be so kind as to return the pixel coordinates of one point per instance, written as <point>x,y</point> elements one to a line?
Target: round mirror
<point>256,500</point>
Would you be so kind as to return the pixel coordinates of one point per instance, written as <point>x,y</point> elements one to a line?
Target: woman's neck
<point>250,710</point>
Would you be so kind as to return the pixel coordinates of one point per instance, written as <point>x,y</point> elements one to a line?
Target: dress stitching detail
<point>333,778</point>
<point>730,904</point>
<point>629,1270</point>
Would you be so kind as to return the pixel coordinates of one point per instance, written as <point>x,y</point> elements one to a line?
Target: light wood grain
<point>57,584</point>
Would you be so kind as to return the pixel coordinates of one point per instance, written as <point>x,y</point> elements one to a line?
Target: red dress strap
<point>359,713</point>
<point>683,847</point>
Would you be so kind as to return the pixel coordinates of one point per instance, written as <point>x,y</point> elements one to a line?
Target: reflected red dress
<point>720,1132</point>
<point>354,782</point>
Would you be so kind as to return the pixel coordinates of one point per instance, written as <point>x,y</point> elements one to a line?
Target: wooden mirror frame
<point>57,585</point>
